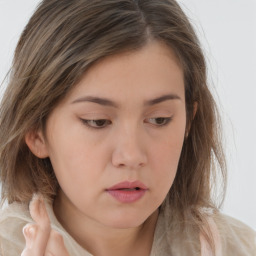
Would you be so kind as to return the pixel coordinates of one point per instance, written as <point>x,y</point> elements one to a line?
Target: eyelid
<point>87,121</point>
<point>166,120</point>
<point>107,122</point>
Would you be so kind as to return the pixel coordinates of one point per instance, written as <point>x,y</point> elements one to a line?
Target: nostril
<point>130,159</point>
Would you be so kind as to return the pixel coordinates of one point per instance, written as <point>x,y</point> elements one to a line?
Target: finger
<point>26,252</point>
<point>56,245</point>
<point>29,232</point>
<point>38,211</point>
<point>41,230</point>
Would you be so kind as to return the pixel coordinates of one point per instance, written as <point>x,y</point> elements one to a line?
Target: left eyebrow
<point>110,103</point>
<point>162,99</point>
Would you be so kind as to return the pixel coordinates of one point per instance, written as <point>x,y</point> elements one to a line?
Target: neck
<point>102,240</point>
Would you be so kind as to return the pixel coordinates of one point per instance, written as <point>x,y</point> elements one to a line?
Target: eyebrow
<point>162,99</point>
<point>110,103</point>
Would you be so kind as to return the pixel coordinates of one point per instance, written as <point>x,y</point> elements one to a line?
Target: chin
<point>126,220</point>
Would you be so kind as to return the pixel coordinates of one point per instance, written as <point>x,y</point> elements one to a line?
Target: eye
<point>97,124</point>
<point>159,121</point>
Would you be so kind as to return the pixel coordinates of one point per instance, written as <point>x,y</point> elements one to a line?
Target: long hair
<point>60,42</point>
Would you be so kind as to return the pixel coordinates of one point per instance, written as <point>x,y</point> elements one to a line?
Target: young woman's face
<point>115,141</point>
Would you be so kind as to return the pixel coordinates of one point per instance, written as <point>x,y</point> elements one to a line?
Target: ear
<point>37,143</point>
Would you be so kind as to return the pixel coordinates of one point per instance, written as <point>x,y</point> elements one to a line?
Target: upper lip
<point>129,185</point>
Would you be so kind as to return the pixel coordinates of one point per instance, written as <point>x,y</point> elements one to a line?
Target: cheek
<point>75,157</point>
<point>165,159</point>
<point>73,170</point>
<point>73,161</point>
<point>168,148</point>
<point>68,157</point>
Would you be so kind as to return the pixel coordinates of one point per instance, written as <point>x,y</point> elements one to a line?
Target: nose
<point>129,150</point>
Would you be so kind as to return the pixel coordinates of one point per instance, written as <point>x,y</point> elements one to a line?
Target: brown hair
<point>60,42</point>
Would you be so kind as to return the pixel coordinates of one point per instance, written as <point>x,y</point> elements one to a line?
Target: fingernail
<point>29,233</point>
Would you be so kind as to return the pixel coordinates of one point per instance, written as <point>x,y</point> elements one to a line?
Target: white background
<point>227,29</point>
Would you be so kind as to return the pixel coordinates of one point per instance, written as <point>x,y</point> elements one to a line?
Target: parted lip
<point>128,185</point>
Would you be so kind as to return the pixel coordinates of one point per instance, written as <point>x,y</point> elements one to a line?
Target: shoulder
<point>13,218</point>
<point>236,237</point>
<point>230,236</point>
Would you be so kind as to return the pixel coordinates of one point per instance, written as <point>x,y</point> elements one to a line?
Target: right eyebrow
<point>98,100</point>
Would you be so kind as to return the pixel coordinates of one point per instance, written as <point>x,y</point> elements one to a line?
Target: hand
<point>41,240</point>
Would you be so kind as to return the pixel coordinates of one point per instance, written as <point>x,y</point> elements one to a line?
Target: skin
<point>140,139</point>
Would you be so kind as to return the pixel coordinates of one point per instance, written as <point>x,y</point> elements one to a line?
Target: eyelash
<point>166,120</point>
<point>104,122</point>
<point>87,123</point>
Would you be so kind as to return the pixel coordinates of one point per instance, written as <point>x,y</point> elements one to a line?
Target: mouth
<point>128,192</point>
<point>129,186</point>
<point>129,189</point>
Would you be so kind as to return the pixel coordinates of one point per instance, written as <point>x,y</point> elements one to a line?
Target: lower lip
<point>125,196</point>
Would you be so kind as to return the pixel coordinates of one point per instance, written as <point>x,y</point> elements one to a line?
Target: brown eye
<point>97,124</point>
<point>159,121</point>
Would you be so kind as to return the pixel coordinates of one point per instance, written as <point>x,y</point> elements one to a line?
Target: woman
<point>109,137</point>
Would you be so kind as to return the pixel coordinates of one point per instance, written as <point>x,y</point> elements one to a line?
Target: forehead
<point>153,69</point>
